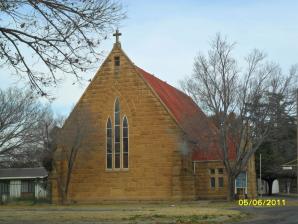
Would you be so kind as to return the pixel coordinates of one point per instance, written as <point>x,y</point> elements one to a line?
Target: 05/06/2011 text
<point>262,202</point>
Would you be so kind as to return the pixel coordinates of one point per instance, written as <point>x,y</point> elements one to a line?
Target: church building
<point>145,141</point>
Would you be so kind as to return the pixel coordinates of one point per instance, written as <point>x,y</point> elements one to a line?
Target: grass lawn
<point>179,213</point>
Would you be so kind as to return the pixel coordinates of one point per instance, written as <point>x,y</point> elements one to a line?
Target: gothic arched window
<point>109,150</point>
<point>125,142</point>
<point>117,153</point>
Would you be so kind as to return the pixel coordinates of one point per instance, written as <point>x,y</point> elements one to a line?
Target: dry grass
<point>123,213</point>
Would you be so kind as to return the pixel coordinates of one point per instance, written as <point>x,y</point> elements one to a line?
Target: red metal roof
<point>198,128</point>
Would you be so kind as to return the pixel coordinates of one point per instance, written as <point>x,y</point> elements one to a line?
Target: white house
<point>23,183</point>
<point>264,188</point>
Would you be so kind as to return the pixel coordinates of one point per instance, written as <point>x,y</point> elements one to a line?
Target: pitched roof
<point>23,173</point>
<point>198,128</point>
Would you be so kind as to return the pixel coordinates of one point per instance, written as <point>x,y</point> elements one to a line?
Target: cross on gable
<point>117,35</point>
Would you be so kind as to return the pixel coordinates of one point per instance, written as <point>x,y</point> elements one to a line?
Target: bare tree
<point>238,99</point>
<point>70,139</point>
<point>49,128</point>
<point>21,117</point>
<point>56,35</point>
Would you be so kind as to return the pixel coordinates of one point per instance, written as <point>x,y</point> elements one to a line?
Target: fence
<point>35,190</point>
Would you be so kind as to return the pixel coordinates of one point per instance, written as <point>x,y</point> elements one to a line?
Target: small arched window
<point>117,153</point>
<point>109,150</point>
<point>125,142</point>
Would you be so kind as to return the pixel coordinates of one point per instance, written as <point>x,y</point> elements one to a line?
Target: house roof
<point>198,128</point>
<point>23,173</point>
<point>291,163</point>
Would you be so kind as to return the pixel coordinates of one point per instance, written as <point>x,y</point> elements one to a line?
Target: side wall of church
<point>205,170</point>
<point>155,162</point>
<point>203,174</point>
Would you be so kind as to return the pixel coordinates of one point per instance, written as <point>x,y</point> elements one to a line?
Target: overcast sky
<point>163,37</point>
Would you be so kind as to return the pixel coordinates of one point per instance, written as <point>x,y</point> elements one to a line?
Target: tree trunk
<point>62,197</point>
<point>231,188</point>
<point>288,184</point>
<point>60,190</point>
<point>270,183</point>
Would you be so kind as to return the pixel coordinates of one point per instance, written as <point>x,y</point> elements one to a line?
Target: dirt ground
<point>191,212</point>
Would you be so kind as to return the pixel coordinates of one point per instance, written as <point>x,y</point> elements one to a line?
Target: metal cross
<point>117,34</point>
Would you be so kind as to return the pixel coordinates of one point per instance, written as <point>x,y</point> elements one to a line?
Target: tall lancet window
<point>117,153</point>
<point>125,142</point>
<point>109,149</point>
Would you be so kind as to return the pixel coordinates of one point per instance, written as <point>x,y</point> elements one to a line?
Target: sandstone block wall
<point>203,175</point>
<point>155,161</point>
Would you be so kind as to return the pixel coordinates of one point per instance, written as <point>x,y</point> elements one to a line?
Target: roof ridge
<point>189,117</point>
<point>165,83</point>
<point>161,80</point>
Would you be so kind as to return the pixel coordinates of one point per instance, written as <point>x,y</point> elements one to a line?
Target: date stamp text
<point>262,202</point>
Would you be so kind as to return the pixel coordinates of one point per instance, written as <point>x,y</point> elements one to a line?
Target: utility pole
<point>261,186</point>
<point>297,142</point>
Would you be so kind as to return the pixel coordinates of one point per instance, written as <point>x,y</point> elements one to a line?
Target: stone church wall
<point>155,162</point>
<point>203,174</point>
<point>159,168</point>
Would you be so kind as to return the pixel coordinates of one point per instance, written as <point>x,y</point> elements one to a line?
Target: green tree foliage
<point>239,99</point>
<point>280,145</point>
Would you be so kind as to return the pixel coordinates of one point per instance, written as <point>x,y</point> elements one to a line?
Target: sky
<point>163,38</point>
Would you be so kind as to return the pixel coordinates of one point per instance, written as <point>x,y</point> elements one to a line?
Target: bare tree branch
<point>222,89</point>
<point>70,139</point>
<point>22,124</point>
<point>57,36</point>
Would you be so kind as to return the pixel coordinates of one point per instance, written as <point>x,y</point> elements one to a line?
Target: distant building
<point>264,188</point>
<point>23,183</point>
<point>288,183</point>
